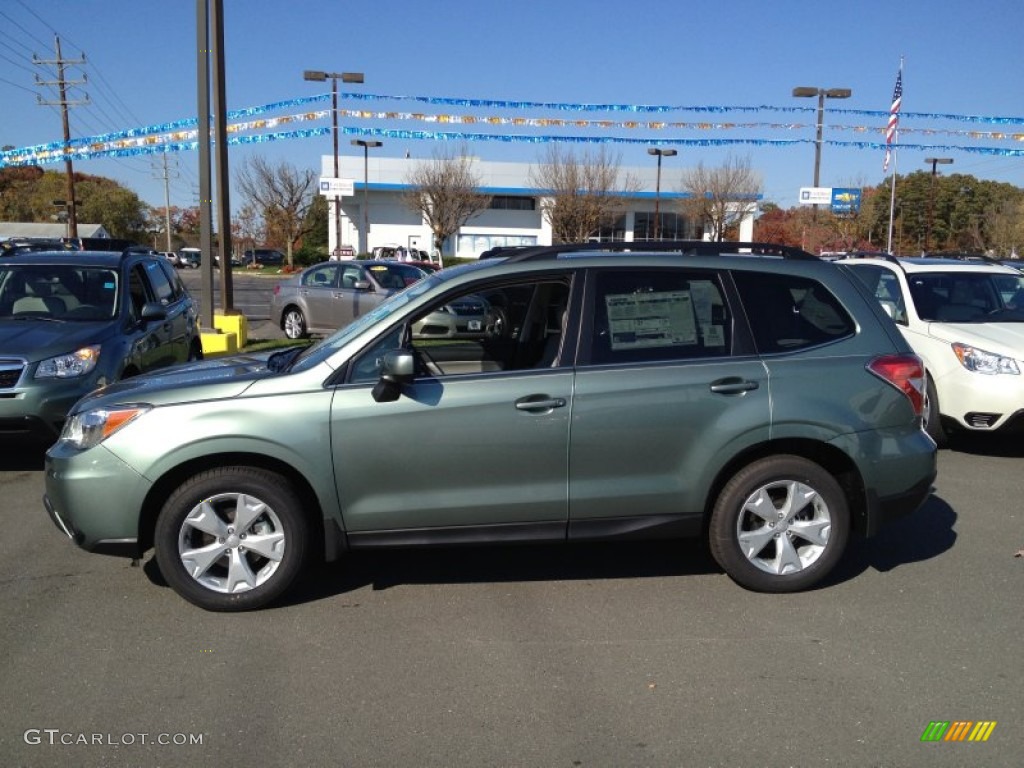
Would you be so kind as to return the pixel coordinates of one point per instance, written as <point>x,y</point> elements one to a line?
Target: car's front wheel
<point>294,323</point>
<point>232,538</point>
<point>780,525</point>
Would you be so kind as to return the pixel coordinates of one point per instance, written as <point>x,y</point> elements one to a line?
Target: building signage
<point>330,187</point>
<point>815,195</point>
<point>845,202</point>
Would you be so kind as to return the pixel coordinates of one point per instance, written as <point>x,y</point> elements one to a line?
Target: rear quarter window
<point>790,312</point>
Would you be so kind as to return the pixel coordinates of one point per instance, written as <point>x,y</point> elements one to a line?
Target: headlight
<point>77,363</point>
<point>980,361</point>
<point>92,427</point>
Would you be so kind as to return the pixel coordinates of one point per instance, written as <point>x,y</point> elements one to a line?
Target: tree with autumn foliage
<point>282,195</point>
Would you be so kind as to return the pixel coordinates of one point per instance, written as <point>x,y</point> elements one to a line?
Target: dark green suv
<point>72,321</point>
<point>753,395</point>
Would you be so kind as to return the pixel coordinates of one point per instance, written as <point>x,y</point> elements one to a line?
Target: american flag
<point>894,119</point>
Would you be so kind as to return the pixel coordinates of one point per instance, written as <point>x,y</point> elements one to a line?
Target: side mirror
<point>397,368</point>
<point>361,285</point>
<point>153,311</point>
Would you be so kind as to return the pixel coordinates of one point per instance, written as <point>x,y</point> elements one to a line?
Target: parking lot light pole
<point>934,162</point>
<point>657,185</point>
<point>822,94</point>
<point>345,77</point>
<point>367,145</point>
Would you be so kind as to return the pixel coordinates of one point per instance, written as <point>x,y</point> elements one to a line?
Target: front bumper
<point>95,499</point>
<point>37,408</point>
<point>977,403</point>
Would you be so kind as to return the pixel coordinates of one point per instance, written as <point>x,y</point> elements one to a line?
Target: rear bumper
<point>890,508</point>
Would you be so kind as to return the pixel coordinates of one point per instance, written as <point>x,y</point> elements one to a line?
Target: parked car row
<point>72,321</point>
<point>758,397</point>
<point>965,319</point>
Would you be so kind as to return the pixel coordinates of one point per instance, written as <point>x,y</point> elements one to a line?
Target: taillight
<point>906,373</point>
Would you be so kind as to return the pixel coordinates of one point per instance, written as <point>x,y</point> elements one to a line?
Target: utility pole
<point>167,202</point>
<point>62,84</point>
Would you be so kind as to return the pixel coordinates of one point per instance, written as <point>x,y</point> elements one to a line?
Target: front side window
<point>658,315</point>
<point>885,285</point>
<point>494,327</point>
<point>161,286</point>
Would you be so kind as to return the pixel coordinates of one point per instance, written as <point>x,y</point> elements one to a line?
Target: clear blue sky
<point>960,59</point>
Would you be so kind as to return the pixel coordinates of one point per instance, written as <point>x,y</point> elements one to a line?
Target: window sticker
<point>704,294</point>
<point>714,336</point>
<point>655,319</point>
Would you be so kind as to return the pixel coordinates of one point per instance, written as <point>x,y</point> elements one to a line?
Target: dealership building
<point>515,217</point>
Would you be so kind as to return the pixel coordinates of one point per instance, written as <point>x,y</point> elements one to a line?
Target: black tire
<point>206,506</point>
<point>932,417</point>
<point>294,323</point>
<point>779,551</point>
<point>195,351</point>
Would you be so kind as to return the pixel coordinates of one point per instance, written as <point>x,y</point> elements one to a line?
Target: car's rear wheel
<point>294,323</point>
<point>932,417</point>
<point>780,525</point>
<point>232,538</point>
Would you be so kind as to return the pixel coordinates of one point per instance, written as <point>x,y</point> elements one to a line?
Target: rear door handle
<point>539,403</point>
<point>733,386</point>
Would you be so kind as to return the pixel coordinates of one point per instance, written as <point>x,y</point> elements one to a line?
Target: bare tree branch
<point>721,197</point>
<point>582,193</point>
<point>445,191</point>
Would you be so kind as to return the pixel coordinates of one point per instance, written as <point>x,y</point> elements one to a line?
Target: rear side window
<point>657,315</point>
<point>789,312</point>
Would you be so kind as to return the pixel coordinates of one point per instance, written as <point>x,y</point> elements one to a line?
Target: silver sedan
<point>330,295</point>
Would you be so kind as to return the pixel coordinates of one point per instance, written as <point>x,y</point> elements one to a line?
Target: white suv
<point>965,319</point>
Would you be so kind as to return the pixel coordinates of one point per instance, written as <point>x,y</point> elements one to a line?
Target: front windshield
<point>63,292</point>
<point>395,275</point>
<point>319,352</point>
<point>968,297</point>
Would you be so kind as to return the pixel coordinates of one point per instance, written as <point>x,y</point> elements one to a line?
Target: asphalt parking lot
<point>639,654</point>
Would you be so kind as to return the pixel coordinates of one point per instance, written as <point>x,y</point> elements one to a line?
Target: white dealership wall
<point>392,223</point>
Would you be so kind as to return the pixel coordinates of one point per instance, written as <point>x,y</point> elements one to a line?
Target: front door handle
<point>733,386</point>
<point>539,403</point>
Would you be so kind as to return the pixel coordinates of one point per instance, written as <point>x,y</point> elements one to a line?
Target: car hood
<point>214,379</point>
<point>1001,338</point>
<point>37,339</point>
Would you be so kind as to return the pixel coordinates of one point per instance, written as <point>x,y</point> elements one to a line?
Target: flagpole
<point>892,142</point>
<point>892,198</point>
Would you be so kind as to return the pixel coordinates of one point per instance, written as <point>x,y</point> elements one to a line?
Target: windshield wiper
<point>35,317</point>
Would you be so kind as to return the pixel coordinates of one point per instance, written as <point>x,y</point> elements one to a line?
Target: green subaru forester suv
<point>749,394</point>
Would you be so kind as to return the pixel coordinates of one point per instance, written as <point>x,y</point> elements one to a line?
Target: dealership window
<point>470,246</point>
<point>673,226</point>
<point>611,231</point>
<point>513,203</point>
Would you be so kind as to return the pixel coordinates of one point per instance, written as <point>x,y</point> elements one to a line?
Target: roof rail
<point>687,247</point>
<point>960,256</point>
<point>853,255</point>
